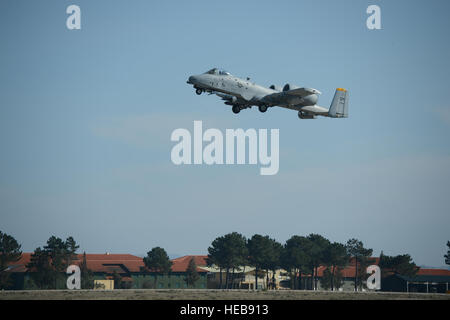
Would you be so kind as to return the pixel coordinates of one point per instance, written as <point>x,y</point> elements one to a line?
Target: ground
<point>187,294</point>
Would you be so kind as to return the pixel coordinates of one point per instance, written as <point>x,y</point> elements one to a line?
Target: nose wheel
<point>236,109</point>
<point>262,108</point>
<point>199,91</point>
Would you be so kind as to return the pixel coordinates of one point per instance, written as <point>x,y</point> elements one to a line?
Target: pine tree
<point>87,276</point>
<point>296,259</point>
<point>228,252</point>
<point>258,250</point>
<point>9,252</point>
<point>401,264</point>
<point>316,253</point>
<point>335,258</point>
<point>158,261</point>
<point>192,275</point>
<point>447,256</point>
<point>48,265</point>
<point>361,255</point>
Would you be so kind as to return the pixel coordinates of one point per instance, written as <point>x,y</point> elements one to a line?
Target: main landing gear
<point>236,109</point>
<point>262,108</point>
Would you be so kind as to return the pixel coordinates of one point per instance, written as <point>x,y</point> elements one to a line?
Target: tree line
<point>300,256</point>
<point>48,265</point>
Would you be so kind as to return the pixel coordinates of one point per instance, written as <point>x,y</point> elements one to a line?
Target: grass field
<point>186,294</point>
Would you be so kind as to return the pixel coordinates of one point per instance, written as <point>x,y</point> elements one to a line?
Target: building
<point>132,273</point>
<point>426,280</point>
<point>103,284</point>
<point>129,268</point>
<point>244,278</point>
<point>176,278</point>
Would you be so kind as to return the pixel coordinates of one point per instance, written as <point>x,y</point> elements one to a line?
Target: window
<point>218,72</point>
<point>212,71</point>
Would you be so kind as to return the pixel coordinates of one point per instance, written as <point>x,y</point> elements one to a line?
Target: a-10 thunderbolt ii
<point>243,94</point>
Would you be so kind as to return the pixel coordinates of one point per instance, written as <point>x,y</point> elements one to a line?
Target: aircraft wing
<point>302,92</point>
<point>285,96</point>
<point>224,96</point>
<point>229,99</point>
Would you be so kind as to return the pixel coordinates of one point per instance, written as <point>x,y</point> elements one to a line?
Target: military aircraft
<point>243,94</point>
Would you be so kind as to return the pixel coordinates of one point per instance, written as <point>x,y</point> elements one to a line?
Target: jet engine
<point>304,115</point>
<point>288,87</point>
<point>274,87</point>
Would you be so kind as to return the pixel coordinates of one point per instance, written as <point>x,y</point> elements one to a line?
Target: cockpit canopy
<point>218,72</point>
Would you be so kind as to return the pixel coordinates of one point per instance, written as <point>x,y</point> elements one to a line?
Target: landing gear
<point>236,109</point>
<point>199,91</point>
<point>262,108</point>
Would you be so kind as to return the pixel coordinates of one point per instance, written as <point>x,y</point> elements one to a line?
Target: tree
<point>71,249</point>
<point>48,265</point>
<point>228,252</point>
<point>361,255</point>
<point>158,261</point>
<point>9,252</point>
<point>192,275</point>
<point>40,269</point>
<point>296,260</point>
<point>273,259</point>
<point>331,279</point>
<point>236,253</point>
<point>258,251</point>
<point>216,256</point>
<point>401,264</point>
<point>447,256</point>
<point>316,251</point>
<point>335,258</point>
<point>87,276</point>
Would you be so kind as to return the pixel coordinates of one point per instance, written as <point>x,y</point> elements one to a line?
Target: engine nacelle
<point>303,115</point>
<point>288,87</point>
<point>274,87</point>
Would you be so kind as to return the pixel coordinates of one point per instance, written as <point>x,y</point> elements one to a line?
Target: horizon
<point>86,118</point>
<point>173,257</point>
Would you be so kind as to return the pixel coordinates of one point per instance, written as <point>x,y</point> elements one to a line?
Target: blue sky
<point>86,117</point>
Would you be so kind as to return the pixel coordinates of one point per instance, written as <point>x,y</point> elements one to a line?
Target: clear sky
<point>86,117</point>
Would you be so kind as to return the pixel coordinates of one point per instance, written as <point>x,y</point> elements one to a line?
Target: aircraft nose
<point>192,79</point>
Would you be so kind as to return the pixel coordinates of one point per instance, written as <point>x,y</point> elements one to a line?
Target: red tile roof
<point>20,265</point>
<point>433,272</point>
<point>181,264</point>
<point>349,270</point>
<point>121,263</point>
<point>107,263</point>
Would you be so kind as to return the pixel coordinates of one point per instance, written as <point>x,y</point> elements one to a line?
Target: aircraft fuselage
<point>242,94</point>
